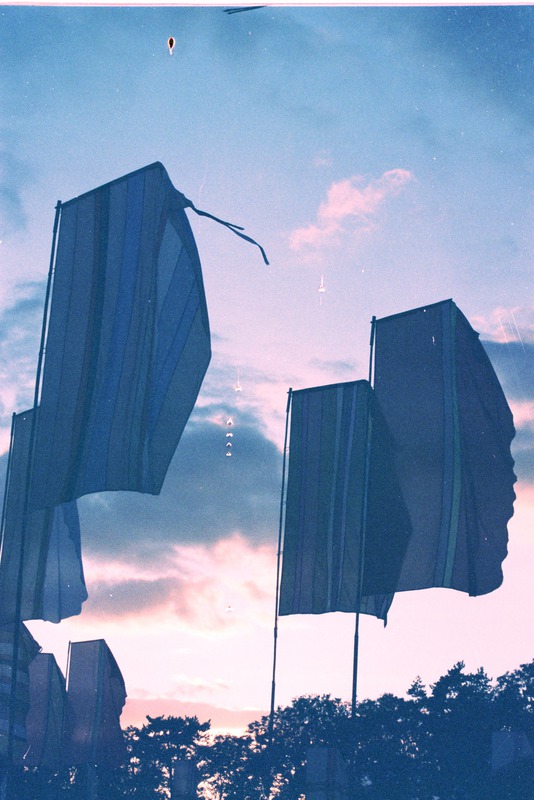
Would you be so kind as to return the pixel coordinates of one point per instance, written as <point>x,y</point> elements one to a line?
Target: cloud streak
<point>14,177</point>
<point>351,206</point>
<point>229,720</point>
<point>214,590</point>
<point>20,326</point>
<point>507,324</point>
<point>205,497</point>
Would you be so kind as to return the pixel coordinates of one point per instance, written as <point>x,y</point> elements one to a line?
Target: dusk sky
<point>383,152</point>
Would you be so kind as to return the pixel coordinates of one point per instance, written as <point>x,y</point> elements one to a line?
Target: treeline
<point>466,737</point>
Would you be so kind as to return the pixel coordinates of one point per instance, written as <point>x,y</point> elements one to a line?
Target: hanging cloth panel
<point>28,650</point>
<point>46,716</point>
<point>331,462</point>
<point>53,585</point>
<point>452,430</point>
<point>95,698</point>
<point>128,341</point>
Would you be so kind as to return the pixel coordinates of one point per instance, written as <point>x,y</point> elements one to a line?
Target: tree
<point>309,720</point>
<point>435,743</point>
<point>154,750</point>
<point>230,769</point>
<point>386,759</point>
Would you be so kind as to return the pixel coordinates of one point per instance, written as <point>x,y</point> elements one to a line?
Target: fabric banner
<point>27,651</point>
<point>46,716</point>
<point>340,484</point>
<point>184,780</point>
<point>509,747</point>
<point>326,774</point>
<point>53,584</point>
<point>95,698</point>
<point>452,430</point>
<point>128,341</point>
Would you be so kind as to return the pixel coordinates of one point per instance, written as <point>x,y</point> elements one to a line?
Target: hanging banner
<point>47,542</point>
<point>345,525</point>
<point>452,430</point>
<point>128,341</point>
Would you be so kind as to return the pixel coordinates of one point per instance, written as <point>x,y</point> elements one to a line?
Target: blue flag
<point>46,715</point>
<point>452,430</point>
<point>128,341</point>
<point>41,550</point>
<point>27,650</point>
<point>95,698</point>
<point>345,525</point>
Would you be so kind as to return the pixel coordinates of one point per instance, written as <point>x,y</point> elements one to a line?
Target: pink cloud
<point>222,719</point>
<point>507,324</point>
<point>217,589</point>
<point>523,414</point>
<point>350,206</point>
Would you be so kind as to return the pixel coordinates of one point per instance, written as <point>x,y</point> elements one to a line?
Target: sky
<point>383,153</point>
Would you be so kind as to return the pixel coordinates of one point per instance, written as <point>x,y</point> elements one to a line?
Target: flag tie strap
<point>230,225</point>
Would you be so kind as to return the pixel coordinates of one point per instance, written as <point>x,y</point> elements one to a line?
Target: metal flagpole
<point>18,602</point>
<point>4,766</point>
<point>8,469</point>
<point>352,764</point>
<point>362,535</point>
<point>278,562</point>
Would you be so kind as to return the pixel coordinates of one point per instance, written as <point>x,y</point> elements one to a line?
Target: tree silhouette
<point>309,720</point>
<point>437,742</point>
<point>229,769</point>
<point>154,750</point>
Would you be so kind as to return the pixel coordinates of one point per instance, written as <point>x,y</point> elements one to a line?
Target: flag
<point>95,697</point>
<point>46,715</point>
<point>345,527</point>
<point>46,541</point>
<point>128,341</point>
<point>184,780</point>
<point>27,651</point>
<point>509,747</point>
<point>326,774</point>
<point>452,429</point>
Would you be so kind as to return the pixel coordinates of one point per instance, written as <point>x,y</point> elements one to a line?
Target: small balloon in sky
<point>170,44</point>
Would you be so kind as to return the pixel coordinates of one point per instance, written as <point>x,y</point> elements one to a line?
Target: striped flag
<point>95,698</point>
<point>45,543</point>
<point>345,526</point>
<point>452,430</point>
<point>128,341</point>
<point>46,716</point>
<point>27,651</point>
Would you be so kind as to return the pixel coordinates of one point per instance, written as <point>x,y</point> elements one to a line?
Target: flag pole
<point>18,601</point>
<point>362,538</point>
<point>8,470</point>
<point>278,563</point>
<point>5,764</point>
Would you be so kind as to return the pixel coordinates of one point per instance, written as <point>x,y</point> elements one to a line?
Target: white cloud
<point>323,159</point>
<point>507,324</point>
<point>212,589</point>
<point>523,414</point>
<point>351,206</point>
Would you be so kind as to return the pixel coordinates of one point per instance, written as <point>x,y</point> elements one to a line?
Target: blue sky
<point>387,151</point>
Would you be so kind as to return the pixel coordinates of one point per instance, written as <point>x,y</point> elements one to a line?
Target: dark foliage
<point>437,743</point>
